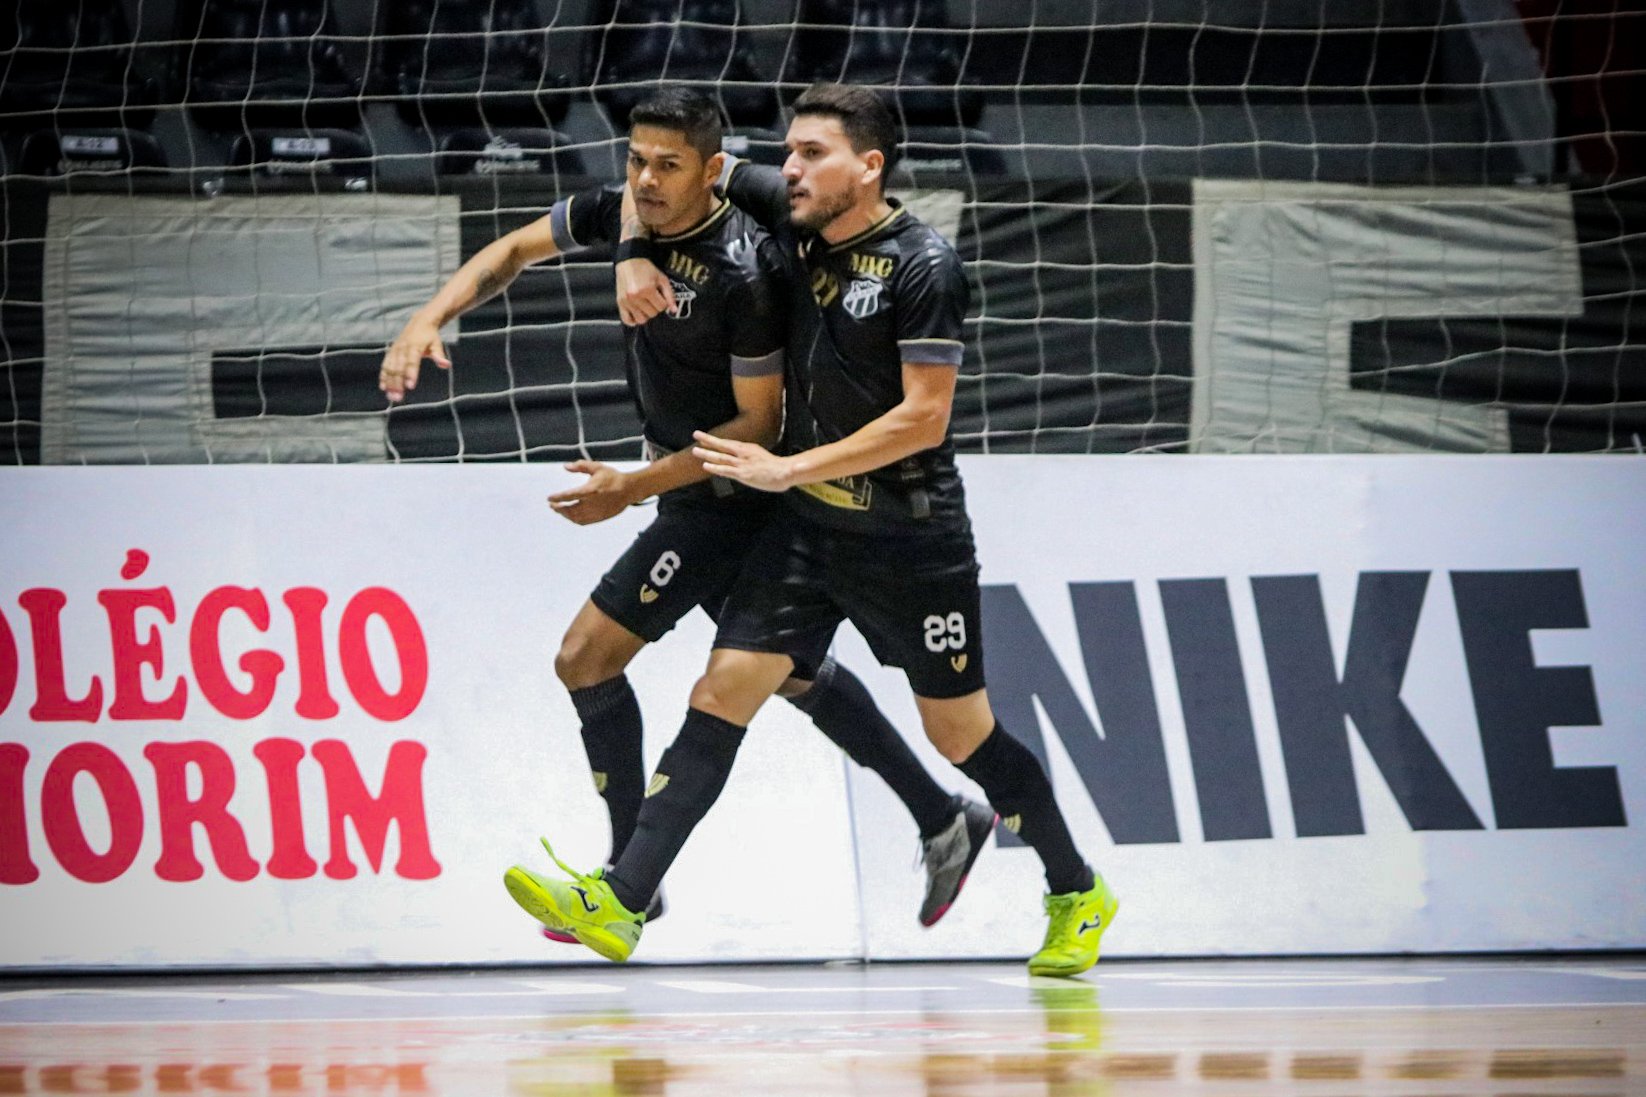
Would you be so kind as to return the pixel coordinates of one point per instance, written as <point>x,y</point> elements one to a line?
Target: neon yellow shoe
<point>1078,920</point>
<point>584,907</point>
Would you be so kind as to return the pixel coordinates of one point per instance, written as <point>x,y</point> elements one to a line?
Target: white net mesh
<point>1283,226</point>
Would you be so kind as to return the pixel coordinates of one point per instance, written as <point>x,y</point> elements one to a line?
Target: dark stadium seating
<point>946,150</point>
<point>507,152</point>
<point>471,63</point>
<point>648,41</point>
<point>886,42</point>
<point>54,152</point>
<point>340,158</point>
<point>268,63</point>
<point>72,59</point>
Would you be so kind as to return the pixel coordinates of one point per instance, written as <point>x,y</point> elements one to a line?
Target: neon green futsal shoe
<point>1078,920</point>
<point>584,907</point>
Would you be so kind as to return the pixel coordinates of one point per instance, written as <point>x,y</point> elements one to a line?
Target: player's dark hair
<point>864,116</point>
<point>686,112</point>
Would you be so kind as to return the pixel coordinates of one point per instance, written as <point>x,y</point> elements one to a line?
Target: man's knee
<point>957,726</point>
<point>737,683</point>
<point>583,661</point>
<point>953,743</point>
<point>726,694</point>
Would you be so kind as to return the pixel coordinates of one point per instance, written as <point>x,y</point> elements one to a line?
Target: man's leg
<point>965,732</point>
<point>605,909</point>
<point>592,658</point>
<point>841,707</point>
<point>629,608</point>
<point>1079,904</point>
<point>953,829</point>
<point>694,769</point>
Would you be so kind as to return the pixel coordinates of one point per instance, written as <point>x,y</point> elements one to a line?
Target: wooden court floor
<point>1512,1027</point>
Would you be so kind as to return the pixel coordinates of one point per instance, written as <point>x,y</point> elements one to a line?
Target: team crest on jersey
<point>684,295</point>
<point>862,298</point>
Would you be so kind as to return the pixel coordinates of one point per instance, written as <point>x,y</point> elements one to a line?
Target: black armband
<point>635,247</point>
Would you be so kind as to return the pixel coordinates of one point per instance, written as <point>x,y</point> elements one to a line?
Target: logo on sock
<point>958,662</point>
<point>1012,823</point>
<point>584,896</point>
<point>660,782</point>
<point>647,595</point>
<point>599,781</point>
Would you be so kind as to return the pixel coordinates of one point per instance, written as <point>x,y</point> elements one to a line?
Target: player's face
<point>669,180</point>
<point>826,177</point>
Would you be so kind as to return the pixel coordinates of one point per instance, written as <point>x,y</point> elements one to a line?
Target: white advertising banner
<point>300,715</point>
<point>308,715</point>
<point>1309,704</point>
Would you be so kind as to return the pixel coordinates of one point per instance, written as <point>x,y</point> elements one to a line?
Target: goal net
<point>1293,226</point>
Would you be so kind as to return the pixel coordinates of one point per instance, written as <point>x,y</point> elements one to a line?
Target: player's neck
<point>694,216</point>
<point>857,220</point>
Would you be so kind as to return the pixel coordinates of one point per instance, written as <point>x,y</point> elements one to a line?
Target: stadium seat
<point>63,152</point>
<point>947,150</point>
<point>74,59</point>
<point>760,146</point>
<point>471,62</point>
<point>507,152</point>
<point>656,41</point>
<point>268,63</point>
<point>340,157</point>
<point>895,43</point>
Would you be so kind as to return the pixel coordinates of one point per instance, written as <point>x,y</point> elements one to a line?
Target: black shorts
<point>690,556</point>
<point>914,599</point>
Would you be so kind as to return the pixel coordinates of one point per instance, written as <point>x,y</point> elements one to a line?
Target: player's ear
<point>713,166</point>
<point>874,163</point>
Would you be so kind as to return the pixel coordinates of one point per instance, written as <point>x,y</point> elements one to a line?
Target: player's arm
<point>918,422</point>
<point>644,291</point>
<point>607,490</point>
<point>492,269</point>
<point>930,302</point>
<point>759,190</point>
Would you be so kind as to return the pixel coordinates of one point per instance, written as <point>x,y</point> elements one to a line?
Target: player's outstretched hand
<point>643,292</point>
<point>605,493</point>
<point>745,462</point>
<point>418,340</point>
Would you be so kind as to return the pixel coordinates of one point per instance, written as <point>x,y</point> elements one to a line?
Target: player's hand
<point>745,462</point>
<point>605,493</point>
<point>419,339</point>
<point>643,292</point>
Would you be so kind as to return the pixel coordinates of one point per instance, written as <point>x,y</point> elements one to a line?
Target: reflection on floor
<point>1489,1026</point>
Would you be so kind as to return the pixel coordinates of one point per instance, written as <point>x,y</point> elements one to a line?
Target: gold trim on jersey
<point>897,211</point>
<point>720,212</point>
<point>847,493</point>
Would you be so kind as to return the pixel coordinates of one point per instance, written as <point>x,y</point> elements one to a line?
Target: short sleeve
<point>587,218</point>
<point>755,318</point>
<point>930,296</point>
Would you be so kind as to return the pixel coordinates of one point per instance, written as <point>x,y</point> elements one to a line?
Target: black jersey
<point>729,320</point>
<point>858,310</point>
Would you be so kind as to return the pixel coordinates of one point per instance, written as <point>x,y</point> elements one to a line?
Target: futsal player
<point>714,363</point>
<point>876,530</point>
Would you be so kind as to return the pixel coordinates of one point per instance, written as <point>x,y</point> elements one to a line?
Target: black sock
<point>611,738</point>
<point>1017,787</point>
<point>688,780</point>
<point>842,709</point>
